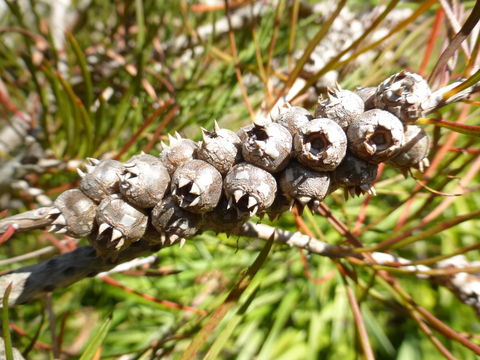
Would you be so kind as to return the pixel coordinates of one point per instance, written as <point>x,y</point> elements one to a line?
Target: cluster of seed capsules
<point>293,158</point>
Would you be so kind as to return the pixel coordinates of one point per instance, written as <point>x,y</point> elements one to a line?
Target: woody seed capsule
<point>341,106</point>
<point>268,146</point>
<point>403,94</point>
<point>119,225</point>
<point>280,205</point>
<point>415,150</point>
<point>249,188</point>
<point>177,153</point>
<point>224,218</point>
<point>197,186</point>
<point>320,144</point>
<point>367,94</point>
<point>144,181</point>
<point>304,186</point>
<point>101,179</point>
<point>375,136</point>
<point>220,148</point>
<point>173,222</point>
<point>292,118</point>
<point>76,214</point>
<point>355,175</point>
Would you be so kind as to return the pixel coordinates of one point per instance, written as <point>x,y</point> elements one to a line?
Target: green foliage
<point>120,66</point>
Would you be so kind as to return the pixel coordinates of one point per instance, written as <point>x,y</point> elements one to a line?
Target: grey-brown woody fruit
<point>375,136</point>
<point>173,222</point>
<point>144,181</point>
<point>292,117</point>
<point>119,225</point>
<point>74,214</point>
<point>249,189</point>
<point>220,148</point>
<point>414,152</point>
<point>197,186</point>
<point>101,179</point>
<point>280,205</point>
<point>367,94</point>
<point>267,145</point>
<point>224,218</point>
<point>304,186</point>
<point>320,144</point>
<point>355,175</point>
<point>341,106</point>
<point>177,153</point>
<point>403,94</point>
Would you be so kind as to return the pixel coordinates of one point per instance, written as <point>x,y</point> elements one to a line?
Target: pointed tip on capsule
<point>195,189</point>
<point>182,242</point>
<point>292,204</point>
<point>299,208</point>
<point>61,229</point>
<point>252,201</point>
<point>163,239</point>
<point>56,228</point>
<point>183,181</point>
<point>54,211</point>
<point>370,149</point>
<point>172,140</point>
<point>178,136</point>
<point>93,161</point>
<point>304,200</point>
<point>253,211</point>
<point>205,136</point>
<point>60,220</point>
<point>81,173</point>
<point>163,146</point>
<point>216,127</point>
<point>120,243</point>
<point>116,234</point>
<point>423,165</point>
<point>102,228</point>
<point>195,201</point>
<point>368,189</point>
<point>237,195</point>
<point>313,206</point>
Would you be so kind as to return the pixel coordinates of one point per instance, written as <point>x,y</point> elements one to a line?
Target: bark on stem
<point>34,281</point>
<point>28,220</point>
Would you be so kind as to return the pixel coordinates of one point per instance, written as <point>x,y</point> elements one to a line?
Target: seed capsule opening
<point>258,133</point>
<point>320,144</point>
<point>381,139</point>
<point>316,144</point>
<point>184,193</point>
<point>247,204</point>
<point>375,136</point>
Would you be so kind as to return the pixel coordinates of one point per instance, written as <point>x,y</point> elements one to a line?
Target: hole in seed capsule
<point>106,235</point>
<point>381,138</point>
<point>258,134</point>
<point>316,144</point>
<point>242,204</point>
<point>184,194</point>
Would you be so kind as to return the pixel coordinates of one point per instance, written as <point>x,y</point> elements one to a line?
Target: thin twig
<point>28,220</point>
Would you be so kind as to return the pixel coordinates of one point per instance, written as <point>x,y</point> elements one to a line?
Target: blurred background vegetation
<point>109,79</point>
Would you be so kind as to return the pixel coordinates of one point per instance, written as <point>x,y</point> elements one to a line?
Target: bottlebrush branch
<point>290,159</point>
